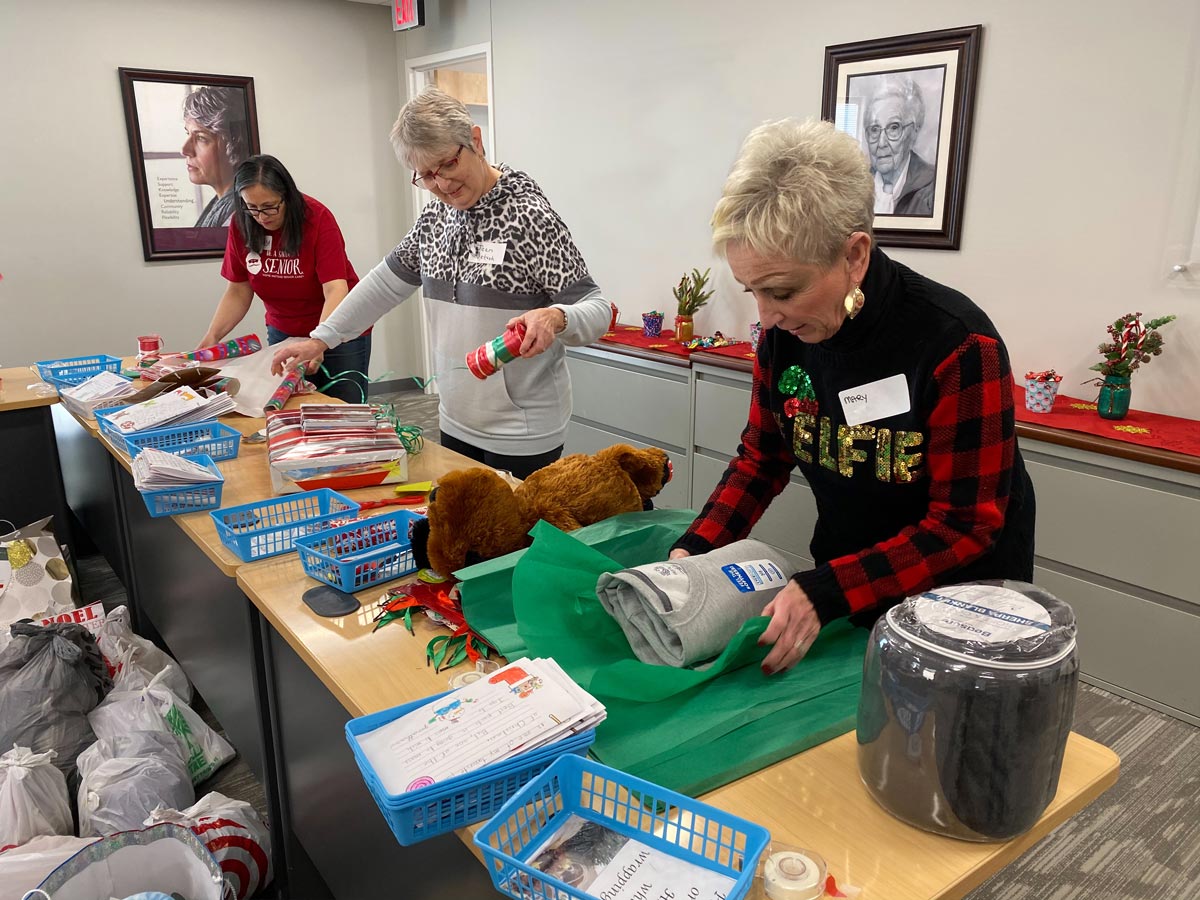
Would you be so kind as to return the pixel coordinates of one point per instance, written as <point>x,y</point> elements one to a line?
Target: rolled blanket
<point>685,611</point>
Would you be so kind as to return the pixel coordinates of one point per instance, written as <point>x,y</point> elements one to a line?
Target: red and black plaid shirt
<point>878,542</point>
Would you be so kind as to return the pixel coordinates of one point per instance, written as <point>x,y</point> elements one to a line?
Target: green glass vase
<point>1113,402</point>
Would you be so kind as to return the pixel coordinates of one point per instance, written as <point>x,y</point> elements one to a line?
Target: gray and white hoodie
<point>524,408</point>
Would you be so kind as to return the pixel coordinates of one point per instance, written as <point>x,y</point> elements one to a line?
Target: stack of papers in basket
<point>157,470</point>
<point>181,406</point>
<point>104,386</point>
<point>526,704</point>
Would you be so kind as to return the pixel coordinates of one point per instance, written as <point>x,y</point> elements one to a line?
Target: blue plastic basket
<point>77,369</point>
<point>106,426</point>
<point>186,498</point>
<point>676,825</point>
<point>269,527</point>
<point>370,551</point>
<point>209,438</point>
<point>463,800</point>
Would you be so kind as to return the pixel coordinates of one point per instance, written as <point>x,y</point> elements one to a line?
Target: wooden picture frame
<point>909,101</point>
<point>187,134</point>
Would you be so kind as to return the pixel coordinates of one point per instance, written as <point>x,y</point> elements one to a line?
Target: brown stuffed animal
<point>475,515</point>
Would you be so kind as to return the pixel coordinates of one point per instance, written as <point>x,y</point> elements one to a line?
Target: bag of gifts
<point>156,708</point>
<point>34,581</point>
<point>123,778</point>
<point>33,797</point>
<point>233,833</point>
<point>51,677</point>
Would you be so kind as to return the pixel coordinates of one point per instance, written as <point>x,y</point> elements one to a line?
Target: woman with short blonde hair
<point>891,393</point>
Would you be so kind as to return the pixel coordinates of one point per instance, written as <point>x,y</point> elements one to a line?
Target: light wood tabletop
<point>813,800</point>
<point>15,393</point>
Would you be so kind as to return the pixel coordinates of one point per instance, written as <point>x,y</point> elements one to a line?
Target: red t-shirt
<point>290,286</point>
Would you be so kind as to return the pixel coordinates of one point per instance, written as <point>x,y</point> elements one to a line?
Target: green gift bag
<point>690,730</point>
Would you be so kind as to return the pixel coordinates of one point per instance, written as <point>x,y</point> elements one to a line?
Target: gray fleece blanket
<point>685,611</point>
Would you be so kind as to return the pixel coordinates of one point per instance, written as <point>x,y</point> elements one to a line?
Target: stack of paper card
<point>526,704</point>
<point>182,406</point>
<point>157,470</point>
<point>98,391</point>
<point>104,386</point>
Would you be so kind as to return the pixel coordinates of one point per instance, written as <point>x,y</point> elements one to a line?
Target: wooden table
<point>31,484</point>
<point>813,800</point>
<point>299,677</point>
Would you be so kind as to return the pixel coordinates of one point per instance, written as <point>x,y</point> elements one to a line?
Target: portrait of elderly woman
<point>217,141</point>
<point>900,131</point>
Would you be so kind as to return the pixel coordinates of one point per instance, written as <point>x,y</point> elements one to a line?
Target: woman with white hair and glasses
<point>488,252</point>
<point>218,139</point>
<point>892,393</point>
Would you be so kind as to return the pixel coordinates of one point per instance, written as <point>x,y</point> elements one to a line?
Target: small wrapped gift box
<point>1040,390</point>
<point>652,324</point>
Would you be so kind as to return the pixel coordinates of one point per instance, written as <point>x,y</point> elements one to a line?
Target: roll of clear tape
<point>792,873</point>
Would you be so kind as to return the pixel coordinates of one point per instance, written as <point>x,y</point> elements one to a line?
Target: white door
<point>465,73</point>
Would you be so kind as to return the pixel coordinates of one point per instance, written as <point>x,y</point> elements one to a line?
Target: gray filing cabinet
<point>1115,539</point>
<point>619,399</point>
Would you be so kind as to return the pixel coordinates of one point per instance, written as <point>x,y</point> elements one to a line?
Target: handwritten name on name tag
<point>876,400</point>
<point>489,253</point>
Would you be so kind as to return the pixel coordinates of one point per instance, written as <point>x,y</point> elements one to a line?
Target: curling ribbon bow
<point>445,650</point>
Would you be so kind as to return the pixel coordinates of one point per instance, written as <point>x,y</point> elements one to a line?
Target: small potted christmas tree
<point>690,296</point>
<point>1132,344</point>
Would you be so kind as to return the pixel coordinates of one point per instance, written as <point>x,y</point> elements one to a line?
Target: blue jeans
<point>346,364</point>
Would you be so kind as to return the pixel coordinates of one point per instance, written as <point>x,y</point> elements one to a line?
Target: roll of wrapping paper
<point>242,346</point>
<point>290,384</point>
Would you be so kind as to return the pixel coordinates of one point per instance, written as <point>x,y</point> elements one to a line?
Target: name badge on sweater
<point>877,400</point>
<point>490,253</point>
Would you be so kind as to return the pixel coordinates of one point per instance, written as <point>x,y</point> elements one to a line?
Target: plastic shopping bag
<point>133,661</point>
<point>156,708</point>
<point>123,778</point>
<point>233,833</point>
<point>23,868</point>
<point>33,797</point>
<point>165,858</point>
<point>51,677</point>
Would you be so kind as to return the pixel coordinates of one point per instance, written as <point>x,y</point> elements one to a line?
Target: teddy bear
<point>475,515</point>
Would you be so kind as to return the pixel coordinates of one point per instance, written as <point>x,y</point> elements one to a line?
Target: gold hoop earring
<point>854,302</point>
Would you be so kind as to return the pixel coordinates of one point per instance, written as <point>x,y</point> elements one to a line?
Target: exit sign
<point>407,14</point>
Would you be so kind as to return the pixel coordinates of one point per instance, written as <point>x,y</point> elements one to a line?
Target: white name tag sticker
<point>490,253</point>
<point>877,400</point>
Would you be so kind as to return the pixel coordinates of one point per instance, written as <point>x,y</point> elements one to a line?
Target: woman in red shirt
<point>287,248</point>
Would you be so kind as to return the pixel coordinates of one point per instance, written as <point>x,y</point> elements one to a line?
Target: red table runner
<point>1144,428</point>
<point>631,336</point>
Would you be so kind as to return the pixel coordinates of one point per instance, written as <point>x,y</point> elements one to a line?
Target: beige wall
<point>1083,181</point>
<point>1082,177</point>
<point>70,252</point>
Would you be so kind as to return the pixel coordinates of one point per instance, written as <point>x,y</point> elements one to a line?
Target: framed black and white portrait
<point>187,135</point>
<point>909,102</point>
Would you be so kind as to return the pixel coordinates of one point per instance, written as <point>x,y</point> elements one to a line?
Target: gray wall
<point>325,76</point>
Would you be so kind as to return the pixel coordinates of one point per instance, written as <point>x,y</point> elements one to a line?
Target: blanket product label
<point>755,575</point>
<point>982,613</point>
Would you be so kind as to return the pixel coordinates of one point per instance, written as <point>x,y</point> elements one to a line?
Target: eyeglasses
<point>893,130</point>
<point>446,169</point>
<point>264,210</point>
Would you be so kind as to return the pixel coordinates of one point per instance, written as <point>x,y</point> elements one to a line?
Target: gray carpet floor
<point>1140,839</point>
